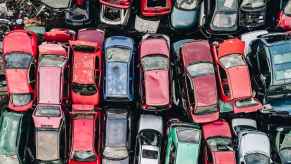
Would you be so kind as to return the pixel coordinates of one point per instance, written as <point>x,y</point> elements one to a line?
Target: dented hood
<point>226,157</point>
<point>17,80</point>
<point>157,87</point>
<point>205,90</point>
<point>239,82</point>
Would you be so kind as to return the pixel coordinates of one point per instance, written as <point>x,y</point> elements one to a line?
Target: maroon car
<point>155,74</point>
<point>198,83</point>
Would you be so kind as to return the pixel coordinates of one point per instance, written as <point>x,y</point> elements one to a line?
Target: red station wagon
<point>20,53</point>
<point>233,76</point>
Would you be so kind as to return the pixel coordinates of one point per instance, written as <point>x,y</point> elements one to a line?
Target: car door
<point>263,76</point>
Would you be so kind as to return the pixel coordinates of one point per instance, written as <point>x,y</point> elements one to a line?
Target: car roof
<point>154,46</point>
<point>231,46</point>
<point>52,48</point>
<point>196,51</point>
<point>219,128</point>
<point>254,142</point>
<point>152,122</point>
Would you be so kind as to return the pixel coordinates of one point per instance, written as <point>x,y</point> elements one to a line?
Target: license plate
<point>146,26</point>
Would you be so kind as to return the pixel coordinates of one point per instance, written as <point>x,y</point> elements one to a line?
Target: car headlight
<point>224,20</point>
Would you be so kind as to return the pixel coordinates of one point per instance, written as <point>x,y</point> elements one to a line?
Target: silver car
<point>149,140</point>
<point>253,145</point>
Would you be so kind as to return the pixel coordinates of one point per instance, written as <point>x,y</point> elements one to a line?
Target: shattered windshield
<point>52,60</point>
<point>232,60</point>
<point>187,4</point>
<point>155,63</point>
<point>118,54</point>
<point>199,69</point>
<point>190,135</point>
<point>253,3</point>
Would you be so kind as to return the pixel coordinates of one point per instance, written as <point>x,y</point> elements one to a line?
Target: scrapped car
<point>218,146</point>
<point>86,72</point>
<point>219,17</point>
<point>249,38</point>
<point>149,140</point>
<point>252,14</point>
<point>284,18</point>
<point>155,72</point>
<point>52,93</point>
<point>151,13</point>
<point>119,69</point>
<point>253,145</point>
<point>14,134</point>
<point>269,64</point>
<point>91,35</point>
<point>233,77</point>
<point>198,82</point>
<point>117,137</point>
<point>185,15</point>
<point>115,12</point>
<point>282,144</point>
<point>19,54</point>
<point>79,13</point>
<point>85,122</point>
<point>183,143</point>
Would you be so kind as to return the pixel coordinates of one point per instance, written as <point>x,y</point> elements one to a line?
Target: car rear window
<point>118,54</point>
<point>257,158</point>
<point>52,60</point>
<point>226,5</point>
<point>154,62</point>
<point>21,99</point>
<point>18,60</point>
<point>253,3</point>
<point>187,4</point>
<point>220,144</point>
<point>58,4</point>
<point>48,111</point>
<point>150,154</point>
<point>190,135</point>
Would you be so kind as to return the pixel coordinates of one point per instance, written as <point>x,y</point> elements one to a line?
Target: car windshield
<point>281,59</point>
<point>84,89</point>
<point>118,54</point>
<point>150,154</point>
<point>57,4</point>
<point>84,156</point>
<point>150,137</point>
<point>223,5</point>
<point>285,155</point>
<point>48,111</point>
<point>253,3</point>
<point>21,99</point>
<point>187,4</point>
<point>232,60</point>
<point>240,128</point>
<point>189,135</point>
<point>155,63</point>
<point>287,9</point>
<point>200,69</point>
<point>156,3</point>
<point>52,61</point>
<point>18,60</point>
<point>256,158</point>
<point>224,20</point>
<point>220,144</point>
<point>205,110</point>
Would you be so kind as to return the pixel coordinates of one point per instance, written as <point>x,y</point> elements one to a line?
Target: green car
<point>183,144</point>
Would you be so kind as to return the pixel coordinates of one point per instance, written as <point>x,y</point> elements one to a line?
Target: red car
<point>20,52</point>
<point>198,82</point>
<point>284,18</point>
<point>155,74</point>
<point>152,8</point>
<point>52,92</point>
<point>233,78</point>
<point>84,146</point>
<point>219,145</point>
<point>59,35</point>
<point>86,76</point>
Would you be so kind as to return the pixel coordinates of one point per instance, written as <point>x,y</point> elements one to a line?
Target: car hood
<point>239,82</point>
<point>157,87</point>
<point>254,142</point>
<point>17,80</point>
<point>205,90</point>
<point>116,79</point>
<point>226,157</point>
<point>183,19</point>
<point>188,153</point>
<point>50,85</point>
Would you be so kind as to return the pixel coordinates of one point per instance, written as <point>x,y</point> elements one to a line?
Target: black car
<point>117,137</point>
<point>252,13</point>
<point>270,67</point>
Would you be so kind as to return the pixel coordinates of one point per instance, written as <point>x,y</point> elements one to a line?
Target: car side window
<point>190,90</point>
<point>172,154</point>
<point>224,81</point>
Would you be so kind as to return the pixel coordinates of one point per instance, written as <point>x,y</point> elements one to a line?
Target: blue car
<point>119,69</point>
